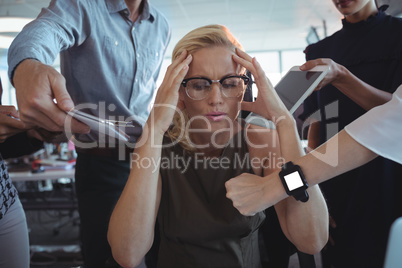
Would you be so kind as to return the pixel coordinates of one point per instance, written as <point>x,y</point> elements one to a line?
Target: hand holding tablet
<point>294,88</point>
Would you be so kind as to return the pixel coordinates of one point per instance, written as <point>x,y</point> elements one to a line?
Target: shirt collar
<point>148,13</point>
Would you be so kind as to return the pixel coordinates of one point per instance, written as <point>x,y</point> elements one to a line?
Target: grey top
<point>199,226</point>
<point>107,60</point>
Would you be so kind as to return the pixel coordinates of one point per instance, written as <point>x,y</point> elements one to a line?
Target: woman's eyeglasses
<point>198,88</point>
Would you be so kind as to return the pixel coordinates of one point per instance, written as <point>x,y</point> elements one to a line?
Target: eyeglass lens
<point>199,88</point>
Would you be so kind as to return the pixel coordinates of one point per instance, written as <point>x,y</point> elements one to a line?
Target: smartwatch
<point>294,181</point>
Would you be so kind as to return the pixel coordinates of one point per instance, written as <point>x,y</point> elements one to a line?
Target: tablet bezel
<point>319,68</point>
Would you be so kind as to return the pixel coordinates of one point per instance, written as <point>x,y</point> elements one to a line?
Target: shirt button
<point>136,80</point>
<point>157,54</point>
<point>132,29</point>
<point>116,43</point>
<point>138,55</point>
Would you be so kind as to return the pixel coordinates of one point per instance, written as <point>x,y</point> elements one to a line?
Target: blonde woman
<point>179,171</point>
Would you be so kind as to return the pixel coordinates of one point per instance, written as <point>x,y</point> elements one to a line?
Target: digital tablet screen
<point>293,85</point>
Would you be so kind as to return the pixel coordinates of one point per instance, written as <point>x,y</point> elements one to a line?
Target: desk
<point>46,175</point>
<point>48,197</point>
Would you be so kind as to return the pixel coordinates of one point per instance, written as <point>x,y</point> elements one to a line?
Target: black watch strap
<point>287,165</point>
<point>299,194</point>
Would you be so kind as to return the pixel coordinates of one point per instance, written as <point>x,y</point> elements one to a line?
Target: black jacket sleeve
<point>19,145</point>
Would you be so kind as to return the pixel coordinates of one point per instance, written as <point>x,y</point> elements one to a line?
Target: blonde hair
<point>203,37</point>
<point>206,36</point>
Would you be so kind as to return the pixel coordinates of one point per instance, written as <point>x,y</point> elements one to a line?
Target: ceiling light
<point>13,24</point>
<point>5,41</point>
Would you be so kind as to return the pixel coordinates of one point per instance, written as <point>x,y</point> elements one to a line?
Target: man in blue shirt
<point>111,52</point>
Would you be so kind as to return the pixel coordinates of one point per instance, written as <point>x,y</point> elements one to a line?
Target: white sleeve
<point>380,129</point>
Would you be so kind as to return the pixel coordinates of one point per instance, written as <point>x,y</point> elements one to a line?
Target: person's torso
<point>198,223</point>
<point>113,70</point>
<point>364,201</point>
<point>372,51</point>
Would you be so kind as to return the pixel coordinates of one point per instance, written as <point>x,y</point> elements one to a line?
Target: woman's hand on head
<point>167,99</point>
<point>334,73</point>
<point>268,103</point>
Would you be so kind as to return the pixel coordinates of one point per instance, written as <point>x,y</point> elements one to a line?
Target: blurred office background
<point>276,32</point>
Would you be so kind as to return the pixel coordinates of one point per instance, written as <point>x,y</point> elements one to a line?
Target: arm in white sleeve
<point>380,129</point>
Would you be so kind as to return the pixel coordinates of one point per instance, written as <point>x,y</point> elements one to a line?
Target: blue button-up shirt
<point>107,60</point>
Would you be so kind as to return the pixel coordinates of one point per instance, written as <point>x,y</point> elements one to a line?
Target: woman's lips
<point>344,3</point>
<point>216,116</point>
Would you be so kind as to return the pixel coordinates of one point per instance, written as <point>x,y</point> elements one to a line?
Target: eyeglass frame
<point>245,79</point>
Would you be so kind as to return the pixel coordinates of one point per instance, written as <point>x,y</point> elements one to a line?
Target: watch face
<point>293,180</point>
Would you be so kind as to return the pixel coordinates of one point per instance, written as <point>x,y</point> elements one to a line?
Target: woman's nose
<point>215,95</point>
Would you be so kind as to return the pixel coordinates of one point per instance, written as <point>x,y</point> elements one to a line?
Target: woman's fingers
<point>244,59</point>
<point>245,63</point>
<point>10,126</point>
<point>9,110</point>
<point>260,74</point>
<point>177,70</point>
<point>308,65</point>
<point>176,62</point>
<point>168,91</point>
<point>166,102</point>
<point>243,55</point>
<point>173,66</point>
<point>13,123</point>
<point>250,64</point>
<point>181,70</point>
<point>182,73</point>
<point>268,103</point>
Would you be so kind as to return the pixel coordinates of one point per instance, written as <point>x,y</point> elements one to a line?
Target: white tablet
<point>393,257</point>
<point>294,88</point>
<point>99,125</point>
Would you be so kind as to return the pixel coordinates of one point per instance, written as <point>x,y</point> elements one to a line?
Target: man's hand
<point>37,86</point>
